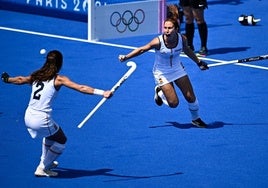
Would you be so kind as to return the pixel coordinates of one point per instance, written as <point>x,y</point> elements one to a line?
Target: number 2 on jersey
<point>40,86</point>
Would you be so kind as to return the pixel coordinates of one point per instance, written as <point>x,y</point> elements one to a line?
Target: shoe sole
<point>43,176</point>
<point>46,175</point>
<point>197,125</point>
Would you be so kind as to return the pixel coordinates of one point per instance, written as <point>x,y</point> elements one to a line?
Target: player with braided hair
<point>46,82</point>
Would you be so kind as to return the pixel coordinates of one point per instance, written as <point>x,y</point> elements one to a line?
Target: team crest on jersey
<point>160,81</point>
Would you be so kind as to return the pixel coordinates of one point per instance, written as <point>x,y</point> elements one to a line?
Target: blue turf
<point>131,142</point>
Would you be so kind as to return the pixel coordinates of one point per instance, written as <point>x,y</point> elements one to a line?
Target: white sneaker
<point>41,172</point>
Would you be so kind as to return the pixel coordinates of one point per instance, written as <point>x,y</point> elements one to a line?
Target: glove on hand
<point>5,77</point>
<point>203,65</point>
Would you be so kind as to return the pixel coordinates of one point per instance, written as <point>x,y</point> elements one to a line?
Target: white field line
<point>218,62</point>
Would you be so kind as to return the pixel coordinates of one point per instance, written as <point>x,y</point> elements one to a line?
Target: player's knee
<point>59,137</point>
<point>173,104</point>
<point>200,21</point>
<point>190,98</point>
<point>189,20</point>
<point>63,140</point>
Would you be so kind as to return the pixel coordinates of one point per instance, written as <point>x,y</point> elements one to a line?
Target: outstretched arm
<point>63,80</point>
<point>138,51</point>
<point>19,80</point>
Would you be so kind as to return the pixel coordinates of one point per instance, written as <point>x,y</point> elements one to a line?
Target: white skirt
<point>40,124</point>
<point>168,75</point>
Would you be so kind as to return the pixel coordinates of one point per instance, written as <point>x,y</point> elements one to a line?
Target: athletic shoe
<point>41,172</point>
<point>199,123</point>
<point>157,99</point>
<point>202,52</point>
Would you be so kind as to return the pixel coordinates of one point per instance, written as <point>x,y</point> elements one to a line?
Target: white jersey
<point>38,117</point>
<point>167,65</point>
<point>42,95</point>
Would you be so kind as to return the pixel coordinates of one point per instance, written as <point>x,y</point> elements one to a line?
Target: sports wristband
<point>98,92</point>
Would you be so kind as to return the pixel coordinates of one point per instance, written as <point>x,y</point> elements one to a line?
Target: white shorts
<point>40,124</point>
<point>168,76</point>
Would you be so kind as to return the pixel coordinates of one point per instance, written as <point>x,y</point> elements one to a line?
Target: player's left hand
<point>203,65</point>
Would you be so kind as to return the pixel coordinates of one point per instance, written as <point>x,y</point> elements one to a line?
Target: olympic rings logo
<point>127,20</point>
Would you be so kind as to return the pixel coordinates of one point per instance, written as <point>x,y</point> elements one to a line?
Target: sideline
<point>218,62</point>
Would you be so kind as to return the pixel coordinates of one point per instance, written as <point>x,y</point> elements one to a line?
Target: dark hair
<point>50,68</point>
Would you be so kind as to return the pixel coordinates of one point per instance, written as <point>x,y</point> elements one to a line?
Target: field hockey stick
<point>132,66</point>
<point>244,60</point>
<point>249,59</point>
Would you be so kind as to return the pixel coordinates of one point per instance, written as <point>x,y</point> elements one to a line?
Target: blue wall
<point>67,9</point>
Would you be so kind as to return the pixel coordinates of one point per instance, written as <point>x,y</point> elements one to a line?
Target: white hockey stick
<point>132,66</point>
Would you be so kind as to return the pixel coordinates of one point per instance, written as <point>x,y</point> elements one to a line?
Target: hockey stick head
<point>131,64</point>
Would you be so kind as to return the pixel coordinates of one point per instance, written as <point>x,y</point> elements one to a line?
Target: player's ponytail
<point>50,68</point>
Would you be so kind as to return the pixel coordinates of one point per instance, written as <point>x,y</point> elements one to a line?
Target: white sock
<point>46,144</point>
<point>194,109</point>
<point>53,153</point>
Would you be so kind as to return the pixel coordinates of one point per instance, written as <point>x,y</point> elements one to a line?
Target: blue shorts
<point>196,4</point>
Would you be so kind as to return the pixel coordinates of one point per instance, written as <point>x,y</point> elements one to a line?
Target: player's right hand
<point>122,58</point>
<point>5,77</point>
<point>108,94</point>
<point>203,65</point>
